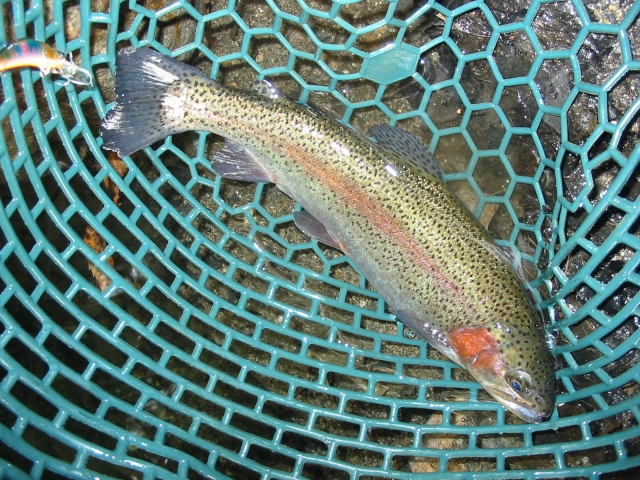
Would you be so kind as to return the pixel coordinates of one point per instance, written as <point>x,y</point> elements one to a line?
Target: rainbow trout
<point>383,204</point>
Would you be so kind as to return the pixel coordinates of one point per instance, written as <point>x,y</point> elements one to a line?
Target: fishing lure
<point>32,53</point>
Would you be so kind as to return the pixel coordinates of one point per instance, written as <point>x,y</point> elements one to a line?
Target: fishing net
<point>158,321</point>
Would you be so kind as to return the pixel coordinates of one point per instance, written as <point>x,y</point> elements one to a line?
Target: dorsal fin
<point>406,147</point>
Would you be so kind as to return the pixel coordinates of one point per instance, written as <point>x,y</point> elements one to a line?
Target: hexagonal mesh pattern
<point>157,321</point>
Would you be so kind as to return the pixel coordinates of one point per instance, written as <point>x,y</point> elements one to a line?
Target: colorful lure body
<point>32,53</point>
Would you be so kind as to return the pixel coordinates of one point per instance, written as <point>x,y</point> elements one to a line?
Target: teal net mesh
<point>158,321</point>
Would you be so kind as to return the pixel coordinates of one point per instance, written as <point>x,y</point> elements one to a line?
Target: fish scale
<point>415,242</point>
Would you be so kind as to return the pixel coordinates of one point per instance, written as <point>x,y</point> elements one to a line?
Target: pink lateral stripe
<point>353,195</point>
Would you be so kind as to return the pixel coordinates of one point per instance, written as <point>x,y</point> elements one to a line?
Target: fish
<point>383,203</point>
<point>32,53</point>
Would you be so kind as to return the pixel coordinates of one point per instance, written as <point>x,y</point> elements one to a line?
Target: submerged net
<point>158,321</point>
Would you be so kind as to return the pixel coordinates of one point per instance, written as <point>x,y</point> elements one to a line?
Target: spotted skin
<point>414,241</point>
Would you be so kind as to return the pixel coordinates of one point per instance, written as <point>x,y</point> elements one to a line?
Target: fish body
<point>32,53</point>
<point>421,249</point>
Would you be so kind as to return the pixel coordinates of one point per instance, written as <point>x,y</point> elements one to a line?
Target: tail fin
<point>145,112</point>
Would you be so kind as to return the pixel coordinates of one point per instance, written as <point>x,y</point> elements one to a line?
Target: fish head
<point>516,369</point>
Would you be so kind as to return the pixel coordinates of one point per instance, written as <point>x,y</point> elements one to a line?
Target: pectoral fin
<point>431,335</point>
<point>312,227</point>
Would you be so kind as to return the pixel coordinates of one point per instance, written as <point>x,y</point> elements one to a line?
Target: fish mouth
<point>514,405</point>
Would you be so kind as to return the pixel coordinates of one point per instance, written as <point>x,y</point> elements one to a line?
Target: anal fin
<point>312,227</point>
<point>236,162</point>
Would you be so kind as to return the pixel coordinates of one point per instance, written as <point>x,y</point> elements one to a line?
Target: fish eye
<point>519,380</point>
